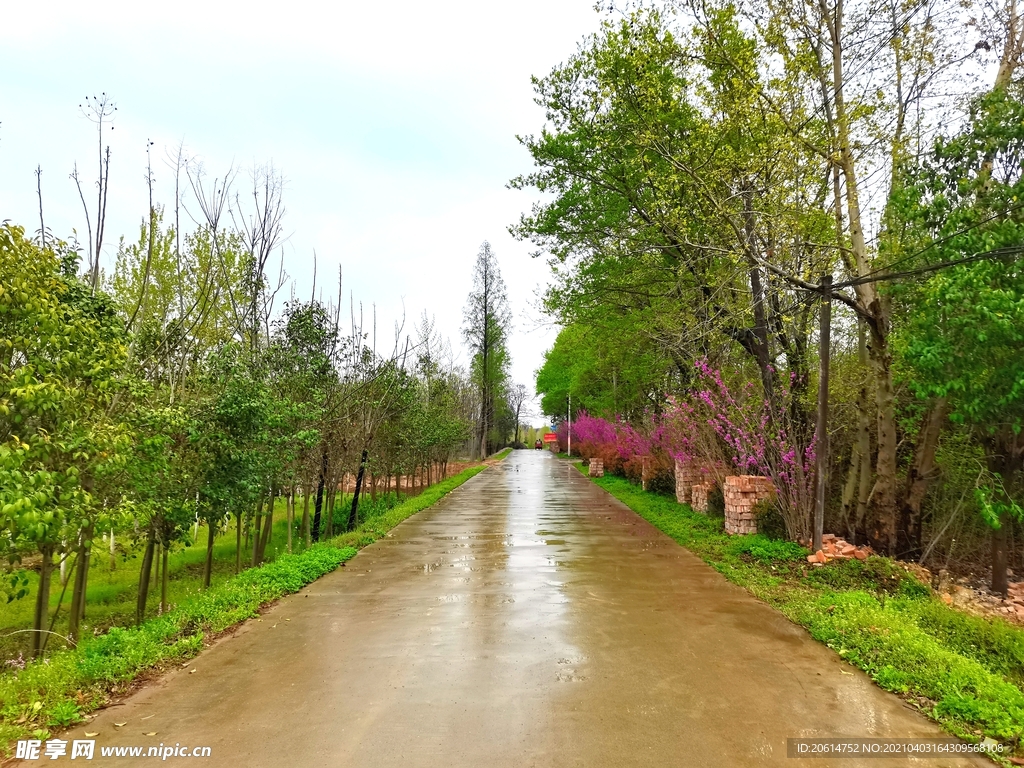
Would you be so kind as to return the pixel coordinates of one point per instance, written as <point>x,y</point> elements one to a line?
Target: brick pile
<point>741,493</point>
<point>699,496</point>
<point>688,474</point>
<point>596,468</point>
<point>834,548</point>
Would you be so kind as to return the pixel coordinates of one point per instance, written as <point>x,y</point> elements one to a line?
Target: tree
<point>61,354</point>
<point>964,340</point>
<point>487,321</point>
<point>518,396</point>
<point>100,111</point>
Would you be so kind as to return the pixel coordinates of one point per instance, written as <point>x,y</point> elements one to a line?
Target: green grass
<point>70,682</point>
<point>111,594</point>
<point>501,454</point>
<point>964,671</point>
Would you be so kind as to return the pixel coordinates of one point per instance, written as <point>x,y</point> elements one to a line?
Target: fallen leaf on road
<point>90,735</point>
<point>151,734</point>
<point>192,671</point>
<point>846,673</point>
<point>147,717</point>
<point>120,724</point>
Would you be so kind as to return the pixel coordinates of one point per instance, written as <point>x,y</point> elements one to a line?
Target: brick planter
<point>699,496</point>
<point>741,494</point>
<point>596,468</point>
<point>688,474</point>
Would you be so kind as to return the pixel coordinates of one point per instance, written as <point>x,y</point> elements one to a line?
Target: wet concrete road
<point>529,619</point>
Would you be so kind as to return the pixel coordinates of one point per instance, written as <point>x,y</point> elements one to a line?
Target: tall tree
<point>487,323</point>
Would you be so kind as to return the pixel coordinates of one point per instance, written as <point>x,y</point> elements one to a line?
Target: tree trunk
<point>1004,460</point>
<point>81,582</point>
<point>164,579</point>
<point>268,530</point>
<point>920,476</point>
<point>882,501</point>
<point>144,575</point>
<point>256,522</point>
<point>319,494</point>
<point>290,507</point>
<point>42,600</point>
<point>352,515</point>
<point>1000,557</point>
<point>332,493</point>
<point>211,534</point>
<point>762,351</point>
<point>305,515</point>
<point>881,525</point>
<point>238,543</point>
<point>156,568</point>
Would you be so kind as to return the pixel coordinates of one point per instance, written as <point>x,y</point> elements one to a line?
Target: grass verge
<point>964,671</point>
<point>58,691</point>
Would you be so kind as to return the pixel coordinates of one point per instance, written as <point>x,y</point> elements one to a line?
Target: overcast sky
<point>393,124</point>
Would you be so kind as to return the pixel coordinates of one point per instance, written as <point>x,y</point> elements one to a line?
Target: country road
<point>528,619</point>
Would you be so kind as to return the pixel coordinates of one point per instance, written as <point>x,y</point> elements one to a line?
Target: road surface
<point>528,619</point>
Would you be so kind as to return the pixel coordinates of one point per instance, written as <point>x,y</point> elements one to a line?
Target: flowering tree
<point>722,432</point>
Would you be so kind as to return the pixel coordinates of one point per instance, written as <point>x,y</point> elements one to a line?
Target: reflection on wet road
<point>528,619</point>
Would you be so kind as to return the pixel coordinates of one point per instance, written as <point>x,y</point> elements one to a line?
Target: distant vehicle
<point>539,445</point>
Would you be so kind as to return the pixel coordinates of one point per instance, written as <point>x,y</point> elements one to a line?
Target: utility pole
<point>570,425</point>
<point>821,430</point>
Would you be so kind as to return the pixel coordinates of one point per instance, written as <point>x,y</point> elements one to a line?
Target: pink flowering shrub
<point>758,438</point>
<point>723,431</point>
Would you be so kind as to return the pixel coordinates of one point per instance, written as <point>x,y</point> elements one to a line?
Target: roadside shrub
<point>877,575</point>
<point>716,503</point>
<point>769,519</point>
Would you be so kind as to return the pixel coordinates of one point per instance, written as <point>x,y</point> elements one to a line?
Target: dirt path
<point>529,619</point>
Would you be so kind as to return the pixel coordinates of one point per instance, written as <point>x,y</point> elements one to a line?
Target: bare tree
<point>100,111</point>
<point>518,395</point>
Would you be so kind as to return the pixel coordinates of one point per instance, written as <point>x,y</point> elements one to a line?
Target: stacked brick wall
<point>699,496</point>
<point>688,474</point>
<point>742,492</point>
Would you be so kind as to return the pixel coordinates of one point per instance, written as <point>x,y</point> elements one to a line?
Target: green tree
<point>963,341</point>
<point>62,352</point>
<point>487,321</point>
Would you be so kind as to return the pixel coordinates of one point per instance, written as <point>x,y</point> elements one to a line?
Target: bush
<point>769,519</point>
<point>877,575</point>
<point>716,502</point>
